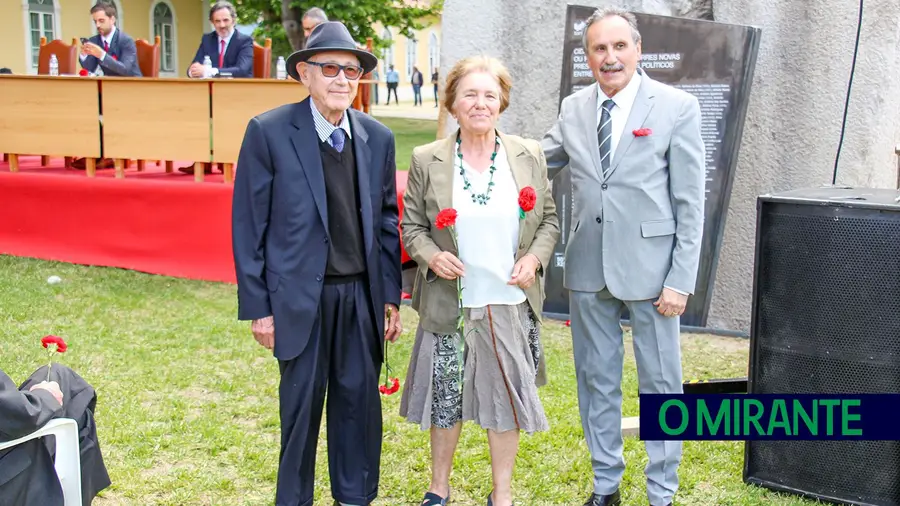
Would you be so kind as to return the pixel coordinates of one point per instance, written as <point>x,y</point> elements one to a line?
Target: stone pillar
<point>796,103</point>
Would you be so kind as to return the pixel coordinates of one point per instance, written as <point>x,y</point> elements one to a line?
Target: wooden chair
<point>67,59</point>
<point>262,60</point>
<point>66,55</point>
<point>363,101</point>
<point>148,56</point>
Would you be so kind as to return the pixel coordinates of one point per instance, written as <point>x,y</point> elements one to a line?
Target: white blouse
<point>487,234</point>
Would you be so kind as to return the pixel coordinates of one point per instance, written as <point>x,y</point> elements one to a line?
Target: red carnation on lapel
<point>445,218</point>
<point>82,72</point>
<point>527,198</point>
<point>114,57</point>
<point>642,132</point>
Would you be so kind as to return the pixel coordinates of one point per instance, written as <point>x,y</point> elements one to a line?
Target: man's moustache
<point>609,68</point>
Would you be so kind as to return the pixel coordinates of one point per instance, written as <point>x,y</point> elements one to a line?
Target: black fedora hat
<point>330,36</point>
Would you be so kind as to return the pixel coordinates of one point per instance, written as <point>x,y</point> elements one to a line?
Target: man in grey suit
<point>636,158</point>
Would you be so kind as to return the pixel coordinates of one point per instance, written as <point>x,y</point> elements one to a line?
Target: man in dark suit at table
<point>317,255</point>
<point>229,51</point>
<point>111,49</point>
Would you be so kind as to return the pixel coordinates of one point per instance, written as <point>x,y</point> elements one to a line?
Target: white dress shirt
<point>488,235</point>
<point>624,100</point>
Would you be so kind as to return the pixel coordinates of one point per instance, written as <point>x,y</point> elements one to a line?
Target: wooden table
<point>201,120</point>
<point>235,102</point>
<point>42,115</point>
<point>156,119</point>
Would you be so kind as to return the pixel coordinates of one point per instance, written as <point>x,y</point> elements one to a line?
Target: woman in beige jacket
<point>494,254</point>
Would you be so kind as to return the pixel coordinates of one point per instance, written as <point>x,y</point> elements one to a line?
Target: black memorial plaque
<point>712,61</point>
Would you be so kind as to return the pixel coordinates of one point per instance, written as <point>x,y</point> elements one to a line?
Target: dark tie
<point>105,46</point>
<point>221,53</point>
<point>604,136</point>
<point>337,139</point>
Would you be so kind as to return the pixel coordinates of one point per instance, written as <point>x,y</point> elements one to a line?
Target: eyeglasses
<point>351,72</point>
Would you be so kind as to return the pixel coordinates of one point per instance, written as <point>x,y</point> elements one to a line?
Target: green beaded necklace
<point>478,198</point>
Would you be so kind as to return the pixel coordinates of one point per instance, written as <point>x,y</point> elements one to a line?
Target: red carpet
<point>150,222</point>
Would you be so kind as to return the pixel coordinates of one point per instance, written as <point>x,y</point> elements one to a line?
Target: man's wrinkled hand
<point>264,331</point>
<point>671,303</point>
<point>392,327</point>
<point>52,387</point>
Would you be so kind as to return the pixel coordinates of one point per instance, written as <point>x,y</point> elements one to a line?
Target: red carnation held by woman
<point>527,198</point>
<point>445,218</point>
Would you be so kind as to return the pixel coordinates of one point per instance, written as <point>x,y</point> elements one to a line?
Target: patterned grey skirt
<point>503,366</point>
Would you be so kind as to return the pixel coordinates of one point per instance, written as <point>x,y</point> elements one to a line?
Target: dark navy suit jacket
<point>238,54</point>
<point>121,59</point>
<point>279,222</point>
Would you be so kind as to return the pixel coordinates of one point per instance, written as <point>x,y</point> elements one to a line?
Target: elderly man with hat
<point>317,254</point>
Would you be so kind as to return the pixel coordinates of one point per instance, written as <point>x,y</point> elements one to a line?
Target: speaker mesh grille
<point>827,321</point>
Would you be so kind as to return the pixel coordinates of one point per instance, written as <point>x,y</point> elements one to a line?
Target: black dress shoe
<point>604,500</point>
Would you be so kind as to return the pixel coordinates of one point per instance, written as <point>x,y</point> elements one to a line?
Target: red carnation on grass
<point>59,346</point>
<point>568,323</point>
<point>642,132</point>
<point>527,199</point>
<point>83,72</point>
<point>445,218</point>
<point>391,388</point>
<point>60,343</point>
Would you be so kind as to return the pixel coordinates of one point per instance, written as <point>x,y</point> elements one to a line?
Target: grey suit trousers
<point>599,350</point>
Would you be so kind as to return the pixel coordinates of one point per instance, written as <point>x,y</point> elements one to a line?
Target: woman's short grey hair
<point>316,14</point>
<point>600,14</point>
<point>222,4</point>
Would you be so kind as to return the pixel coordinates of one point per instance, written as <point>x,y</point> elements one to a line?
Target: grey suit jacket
<point>640,228</point>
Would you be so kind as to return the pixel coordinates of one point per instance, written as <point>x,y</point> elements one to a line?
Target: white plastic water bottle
<point>280,68</point>
<point>54,65</point>
<point>207,66</point>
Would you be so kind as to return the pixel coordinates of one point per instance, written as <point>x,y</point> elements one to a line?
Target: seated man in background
<point>230,51</point>
<point>111,49</point>
<point>27,473</point>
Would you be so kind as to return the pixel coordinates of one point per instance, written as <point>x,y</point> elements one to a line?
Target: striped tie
<point>604,136</point>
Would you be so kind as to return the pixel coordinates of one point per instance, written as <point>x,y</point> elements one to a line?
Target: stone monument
<point>793,124</point>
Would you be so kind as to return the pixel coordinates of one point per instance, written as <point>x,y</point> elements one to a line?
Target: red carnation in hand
<point>61,346</point>
<point>445,218</point>
<point>58,343</point>
<point>390,389</point>
<point>642,132</point>
<point>527,199</point>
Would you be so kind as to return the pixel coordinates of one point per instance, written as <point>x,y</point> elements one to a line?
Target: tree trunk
<point>291,20</point>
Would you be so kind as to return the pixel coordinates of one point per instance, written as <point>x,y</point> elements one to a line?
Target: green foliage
<point>359,16</point>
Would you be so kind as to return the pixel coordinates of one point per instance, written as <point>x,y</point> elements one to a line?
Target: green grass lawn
<point>409,133</point>
<point>188,410</point>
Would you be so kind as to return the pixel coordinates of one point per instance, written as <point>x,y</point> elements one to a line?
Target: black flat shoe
<point>432,499</point>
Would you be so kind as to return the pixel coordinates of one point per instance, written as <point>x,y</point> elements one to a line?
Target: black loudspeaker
<point>826,319</point>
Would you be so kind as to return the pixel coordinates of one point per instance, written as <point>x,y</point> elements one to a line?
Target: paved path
<point>406,110</point>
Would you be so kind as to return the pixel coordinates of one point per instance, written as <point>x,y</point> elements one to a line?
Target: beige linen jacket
<point>429,189</point>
